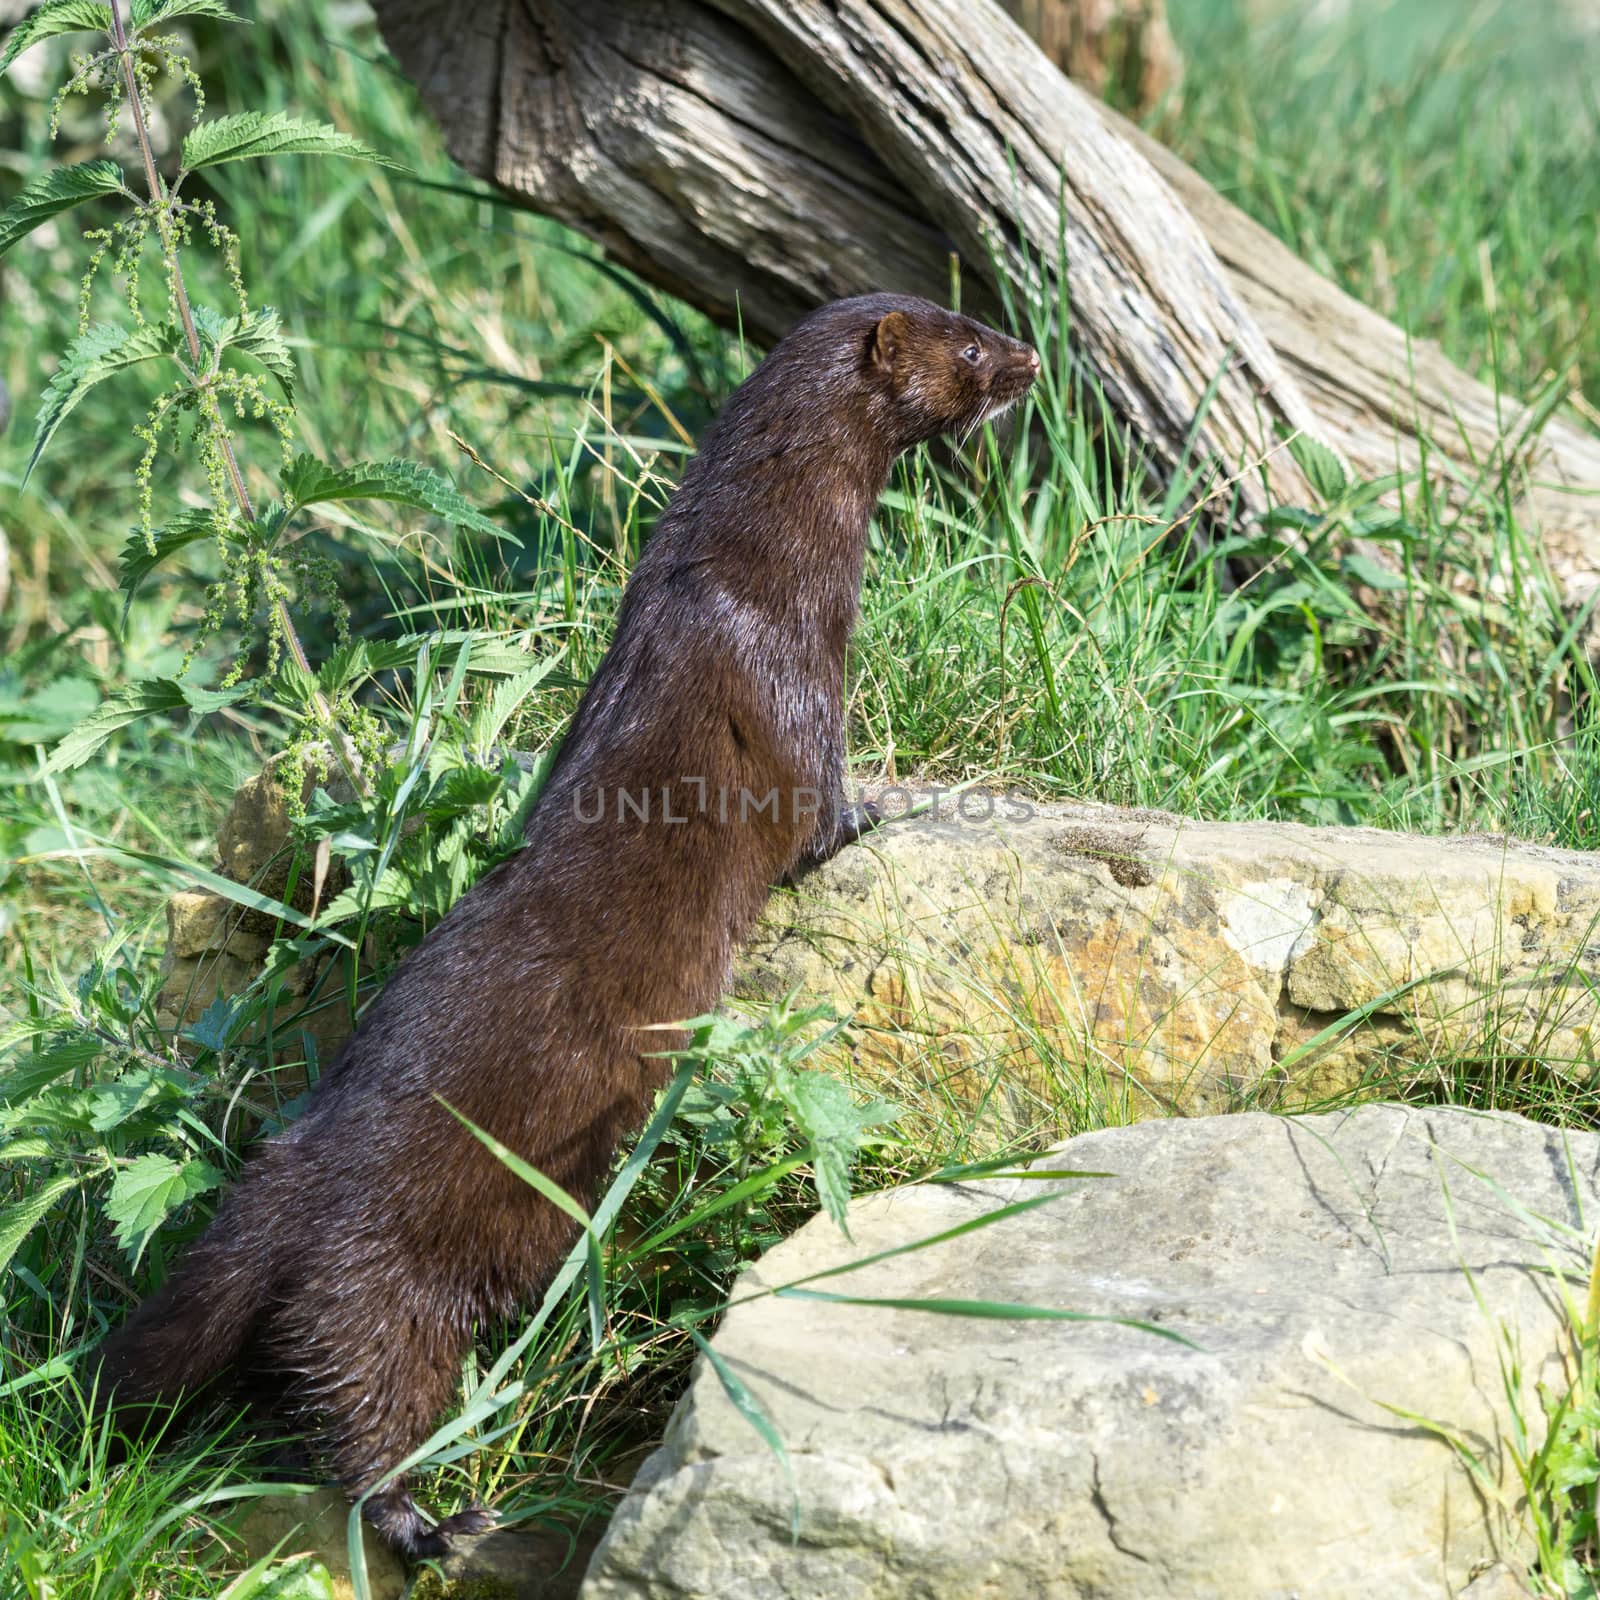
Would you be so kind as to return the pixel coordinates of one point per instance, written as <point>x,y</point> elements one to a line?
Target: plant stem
<point>1591,1315</point>
<point>343,746</point>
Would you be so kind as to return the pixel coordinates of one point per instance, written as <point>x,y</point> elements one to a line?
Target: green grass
<point>72,1523</point>
<point>1031,615</point>
<point>1434,159</point>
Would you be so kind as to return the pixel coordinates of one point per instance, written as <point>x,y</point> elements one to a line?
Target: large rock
<point>1320,1267</point>
<point>1042,965</point>
<point>1029,959</point>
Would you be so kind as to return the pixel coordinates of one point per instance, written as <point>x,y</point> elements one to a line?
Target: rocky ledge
<point>1016,960</point>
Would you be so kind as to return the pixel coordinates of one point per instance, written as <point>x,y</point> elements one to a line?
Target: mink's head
<point>935,372</point>
<point>879,372</point>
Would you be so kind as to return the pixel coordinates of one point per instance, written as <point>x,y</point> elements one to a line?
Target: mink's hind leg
<point>379,1378</point>
<point>394,1514</point>
<point>413,1385</point>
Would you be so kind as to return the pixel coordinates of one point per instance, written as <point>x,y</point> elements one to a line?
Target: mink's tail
<point>194,1326</point>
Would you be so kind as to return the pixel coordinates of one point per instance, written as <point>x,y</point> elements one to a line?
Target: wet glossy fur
<point>356,1253</point>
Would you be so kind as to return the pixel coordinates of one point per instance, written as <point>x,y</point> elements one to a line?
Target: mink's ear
<point>888,339</point>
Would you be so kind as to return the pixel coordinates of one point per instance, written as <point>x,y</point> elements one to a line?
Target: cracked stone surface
<point>1317,1266</point>
<point>1012,961</point>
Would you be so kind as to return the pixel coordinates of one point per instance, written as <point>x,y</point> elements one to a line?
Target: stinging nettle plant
<point>210,396</point>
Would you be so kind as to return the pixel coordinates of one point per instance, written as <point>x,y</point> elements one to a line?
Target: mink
<point>350,1263</point>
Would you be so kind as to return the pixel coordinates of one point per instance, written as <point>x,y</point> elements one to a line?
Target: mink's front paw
<point>849,824</point>
<point>855,821</point>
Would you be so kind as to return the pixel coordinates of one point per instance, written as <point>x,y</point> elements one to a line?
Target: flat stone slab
<point>1318,1265</point>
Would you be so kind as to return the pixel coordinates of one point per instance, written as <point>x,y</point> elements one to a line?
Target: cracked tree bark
<point>756,157</point>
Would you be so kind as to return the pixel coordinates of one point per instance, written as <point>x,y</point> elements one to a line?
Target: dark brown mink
<point>348,1266</point>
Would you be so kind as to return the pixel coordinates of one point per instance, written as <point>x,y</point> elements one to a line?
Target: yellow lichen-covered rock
<point>216,947</point>
<point>1029,966</point>
<point>255,832</point>
<point>316,1524</point>
<point>200,923</point>
<point>1157,965</point>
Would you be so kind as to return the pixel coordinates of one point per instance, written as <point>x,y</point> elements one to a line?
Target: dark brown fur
<point>358,1250</point>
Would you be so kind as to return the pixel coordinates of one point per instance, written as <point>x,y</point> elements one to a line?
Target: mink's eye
<point>973,354</point>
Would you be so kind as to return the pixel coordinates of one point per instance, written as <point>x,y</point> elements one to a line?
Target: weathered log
<point>758,165</point>
<point>677,138</point>
<point>962,108</point>
<point>1377,393</point>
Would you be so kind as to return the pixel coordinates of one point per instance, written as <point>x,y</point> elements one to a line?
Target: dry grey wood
<point>690,149</point>
<point>664,132</point>
<point>671,139</point>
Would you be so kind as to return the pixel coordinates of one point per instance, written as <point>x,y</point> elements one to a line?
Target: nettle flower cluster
<point>225,368</point>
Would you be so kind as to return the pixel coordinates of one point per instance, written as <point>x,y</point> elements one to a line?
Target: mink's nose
<point>1033,362</point>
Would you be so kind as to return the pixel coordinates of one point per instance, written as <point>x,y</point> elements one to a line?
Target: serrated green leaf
<point>492,657</point>
<point>55,16</point>
<point>348,664</point>
<point>459,792</point>
<point>310,482</point>
<point>148,1190</point>
<point>55,191</point>
<point>147,13</point>
<point>19,1220</point>
<point>131,704</point>
<point>251,134</point>
<point>394,888</point>
<point>25,1149</point>
<point>90,359</point>
<point>66,1111</point>
<point>41,1069</point>
<point>490,719</point>
<point>1323,469</point>
<point>139,561</point>
<point>259,334</point>
<point>117,710</point>
<point>113,1103</point>
<point>826,1113</point>
<point>212,1029</point>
